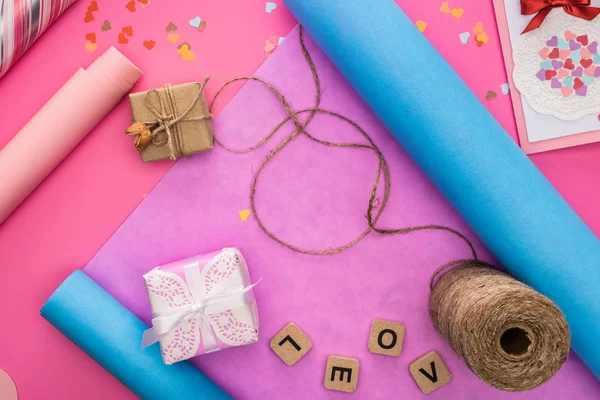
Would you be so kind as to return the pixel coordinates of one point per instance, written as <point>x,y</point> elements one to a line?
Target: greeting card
<point>551,51</point>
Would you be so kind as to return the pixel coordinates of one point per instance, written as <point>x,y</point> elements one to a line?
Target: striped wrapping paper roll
<point>21,23</point>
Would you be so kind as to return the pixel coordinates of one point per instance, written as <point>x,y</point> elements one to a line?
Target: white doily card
<point>554,76</point>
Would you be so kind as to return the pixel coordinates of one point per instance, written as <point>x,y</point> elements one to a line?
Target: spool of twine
<point>509,335</point>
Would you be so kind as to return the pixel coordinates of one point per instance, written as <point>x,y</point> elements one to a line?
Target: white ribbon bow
<point>225,295</point>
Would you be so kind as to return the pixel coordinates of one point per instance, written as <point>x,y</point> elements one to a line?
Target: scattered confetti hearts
<point>91,37</point>
<point>270,7</point>
<point>577,72</point>
<point>583,39</point>
<point>457,13</point>
<point>281,39</point>
<point>564,54</point>
<point>185,52</point>
<point>106,26</point>
<point>244,214</point>
<point>269,47</point>
<point>566,92</point>
<point>544,53</point>
<point>445,8</point>
<point>555,83</point>
<point>550,74</point>
<point>421,25</point>
<point>171,27</point>
<point>131,6</point>
<point>464,37</point>
<point>491,95</point>
<point>593,47</point>
<point>562,73</point>
<point>481,38</point>
<point>505,87</point>
<point>202,26</point>
<point>122,38</point>
<point>128,30</point>
<point>585,53</point>
<point>570,35</point>
<point>93,6</point>
<point>586,62</point>
<point>144,3</point>
<point>557,64</point>
<point>541,75</point>
<point>552,42</point>
<point>195,22</point>
<point>478,28</point>
<point>89,17</point>
<point>582,91</point>
<point>554,54</point>
<point>568,82</point>
<point>569,64</point>
<point>149,44</point>
<point>577,83</point>
<point>173,37</point>
<point>573,45</point>
<point>91,47</point>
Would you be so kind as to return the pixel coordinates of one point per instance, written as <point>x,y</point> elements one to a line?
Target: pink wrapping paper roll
<point>61,124</point>
<point>21,23</point>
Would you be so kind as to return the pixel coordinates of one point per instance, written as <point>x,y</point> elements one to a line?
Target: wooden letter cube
<point>341,374</point>
<point>386,337</point>
<point>429,372</point>
<point>291,344</point>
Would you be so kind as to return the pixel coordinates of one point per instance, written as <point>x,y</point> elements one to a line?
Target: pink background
<point>64,223</point>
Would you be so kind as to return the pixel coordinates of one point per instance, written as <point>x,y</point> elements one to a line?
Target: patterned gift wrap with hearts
<point>211,295</point>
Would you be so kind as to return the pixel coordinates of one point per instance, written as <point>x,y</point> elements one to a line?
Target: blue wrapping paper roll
<point>111,335</point>
<point>512,207</point>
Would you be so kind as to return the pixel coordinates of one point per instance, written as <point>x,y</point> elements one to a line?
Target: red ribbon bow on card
<point>576,8</point>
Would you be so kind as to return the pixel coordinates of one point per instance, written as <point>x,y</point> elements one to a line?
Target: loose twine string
<point>477,309</point>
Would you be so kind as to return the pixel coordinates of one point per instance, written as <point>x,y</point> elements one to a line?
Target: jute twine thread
<point>509,335</point>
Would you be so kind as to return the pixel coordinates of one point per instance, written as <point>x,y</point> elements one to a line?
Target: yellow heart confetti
<point>421,25</point>
<point>478,28</point>
<point>244,214</point>
<point>457,12</point>
<point>445,8</point>
<point>482,37</point>
<point>185,52</point>
<point>174,37</point>
<point>91,47</point>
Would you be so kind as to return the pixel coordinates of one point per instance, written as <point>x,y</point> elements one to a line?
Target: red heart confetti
<point>586,62</point>
<point>128,30</point>
<point>583,39</point>
<point>550,74</point>
<point>569,64</point>
<point>554,54</point>
<point>89,17</point>
<point>93,6</point>
<point>149,44</point>
<point>131,6</point>
<point>123,39</point>
<point>91,37</point>
<point>577,83</point>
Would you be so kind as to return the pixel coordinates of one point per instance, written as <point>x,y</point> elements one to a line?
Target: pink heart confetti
<point>570,36</point>
<point>544,53</point>
<point>563,54</point>
<point>562,73</point>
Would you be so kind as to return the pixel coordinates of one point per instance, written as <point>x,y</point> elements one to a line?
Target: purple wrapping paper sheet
<point>315,197</point>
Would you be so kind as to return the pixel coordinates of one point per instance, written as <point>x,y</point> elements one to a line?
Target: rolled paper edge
<point>112,62</point>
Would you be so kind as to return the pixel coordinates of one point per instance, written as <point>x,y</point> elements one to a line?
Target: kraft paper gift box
<point>184,109</point>
<point>200,305</point>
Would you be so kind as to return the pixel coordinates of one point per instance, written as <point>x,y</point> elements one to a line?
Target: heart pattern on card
<point>569,63</point>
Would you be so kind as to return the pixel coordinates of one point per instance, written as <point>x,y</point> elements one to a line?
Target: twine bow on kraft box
<point>200,305</point>
<point>171,122</point>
